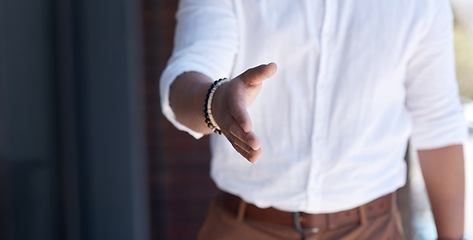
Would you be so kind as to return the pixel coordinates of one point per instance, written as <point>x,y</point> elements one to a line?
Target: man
<point>354,81</point>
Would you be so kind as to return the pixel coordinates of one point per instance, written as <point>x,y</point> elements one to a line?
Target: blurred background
<point>85,152</point>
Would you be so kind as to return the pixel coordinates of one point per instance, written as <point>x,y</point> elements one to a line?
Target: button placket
<point>321,108</point>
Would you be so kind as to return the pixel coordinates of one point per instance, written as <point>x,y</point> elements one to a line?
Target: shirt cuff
<point>441,133</point>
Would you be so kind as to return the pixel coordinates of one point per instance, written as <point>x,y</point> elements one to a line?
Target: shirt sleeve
<point>431,87</point>
<point>205,41</point>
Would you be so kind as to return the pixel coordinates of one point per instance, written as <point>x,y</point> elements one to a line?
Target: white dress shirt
<point>356,80</point>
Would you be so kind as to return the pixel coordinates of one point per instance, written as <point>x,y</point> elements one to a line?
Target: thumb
<point>256,75</point>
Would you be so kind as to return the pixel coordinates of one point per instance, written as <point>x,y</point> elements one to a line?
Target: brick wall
<point>180,187</point>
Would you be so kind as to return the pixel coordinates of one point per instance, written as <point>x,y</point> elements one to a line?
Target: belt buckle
<point>296,217</point>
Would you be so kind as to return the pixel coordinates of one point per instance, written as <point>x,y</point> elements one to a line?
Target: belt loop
<point>362,213</point>
<point>394,201</point>
<point>241,210</point>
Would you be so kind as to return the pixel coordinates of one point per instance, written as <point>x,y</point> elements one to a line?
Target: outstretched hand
<point>230,104</point>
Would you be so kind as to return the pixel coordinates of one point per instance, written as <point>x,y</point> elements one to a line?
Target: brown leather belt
<point>305,222</point>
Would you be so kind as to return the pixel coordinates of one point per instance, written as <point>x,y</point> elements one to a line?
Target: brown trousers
<point>222,225</point>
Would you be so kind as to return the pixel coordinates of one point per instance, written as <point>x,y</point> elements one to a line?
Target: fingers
<point>241,116</point>
<point>252,156</point>
<point>244,143</point>
<point>256,75</point>
<point>245,140</point>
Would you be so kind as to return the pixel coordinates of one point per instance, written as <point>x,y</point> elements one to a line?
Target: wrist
<point>208,110</point>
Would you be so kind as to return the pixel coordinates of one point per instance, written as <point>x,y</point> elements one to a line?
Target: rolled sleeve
<point>205,42</point>
<point>431,87</point>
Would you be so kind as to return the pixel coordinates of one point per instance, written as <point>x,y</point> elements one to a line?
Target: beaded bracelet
<point>209,119</point>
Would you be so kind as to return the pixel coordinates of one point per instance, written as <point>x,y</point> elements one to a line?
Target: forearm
<point>444,175</point>
<point>187,96</point>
